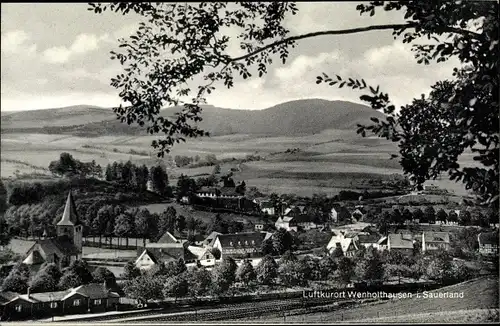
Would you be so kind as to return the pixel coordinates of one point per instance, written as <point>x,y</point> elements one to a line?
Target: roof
<point>370,238</point>
<point>437,237</point>
<point>34,258</point>
<point>266,204</point>
<point>49,296</point>
<point>303,218</point>
<point>61,246</point>
<point>7,296</point>
<point>70,216</point>
<point>211,238</point>
<point>168,238</point>
<point>242,240</point>
<point>229,191</point>
<point>205,189</point>
<point>400,241</point>
<point>161,255</point>
<point>488,238</point>
<point>91,291</point>
<point>198,252</point>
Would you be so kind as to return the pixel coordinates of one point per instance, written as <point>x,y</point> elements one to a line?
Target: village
<point>290,246</point>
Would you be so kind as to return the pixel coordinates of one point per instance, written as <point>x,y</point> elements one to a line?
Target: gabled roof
<point>400,241</point>
<point>34,258</point>
<point>242,240</point>
<point>370,238</point>
<point>70,216</point>
<point>210,190</point>
<point>209,240</point>
<point>168,238</point>
<point>266,204</point>
<point>199,252</point>
<point>7,296</point>
<point>50,296</point>
<point>488,238</point>
<point>165,254</point>
<point>91,291</point>
<point>437,237</point>
<point>60,246</point>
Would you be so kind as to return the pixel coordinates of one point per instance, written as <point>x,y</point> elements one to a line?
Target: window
<point>53,305</point>
<point>19,308</point>
<point>246,242</point>
<point>239,242</point>
<point>76,302</point>
<point>97,302</point>
<point>253,241</point>
<point>207,257</point>
<point>230,243</point>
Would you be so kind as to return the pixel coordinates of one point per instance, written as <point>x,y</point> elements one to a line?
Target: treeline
<point>369,266</point>
<point>50,278</point>
<point>69,166</point>
<point>466,217</point>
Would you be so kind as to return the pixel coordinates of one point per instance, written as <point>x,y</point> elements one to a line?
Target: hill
<point>294,118</point>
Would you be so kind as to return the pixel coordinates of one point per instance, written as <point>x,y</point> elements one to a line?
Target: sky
<point>57,55</point>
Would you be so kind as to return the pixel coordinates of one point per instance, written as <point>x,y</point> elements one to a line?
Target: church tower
<point>69,226</point>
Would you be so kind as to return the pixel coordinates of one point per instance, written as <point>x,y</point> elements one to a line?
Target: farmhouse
<point>296,222</point>
<point>240,244</point>
<point>210,239</point>
<point>65,247</point>
<point>435,240</point>
<point>202,255</point>
<point>167,248</point>
<point>488,243</point>
<point>347,241</point>
<point>265,205</point>
<point>369,240</point>
<point>339,213</point>
<point>400,242</point>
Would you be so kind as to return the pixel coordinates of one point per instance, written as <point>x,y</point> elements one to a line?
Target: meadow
<point>326,162</point>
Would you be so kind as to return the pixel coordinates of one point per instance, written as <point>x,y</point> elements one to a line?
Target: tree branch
<point>343,32</point>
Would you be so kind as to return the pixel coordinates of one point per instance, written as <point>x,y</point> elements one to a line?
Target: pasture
<point>325,162</point>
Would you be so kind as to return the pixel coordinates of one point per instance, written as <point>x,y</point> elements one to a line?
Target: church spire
<point>70,216</point>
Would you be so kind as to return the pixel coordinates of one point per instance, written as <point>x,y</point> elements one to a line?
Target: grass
<point>479,295</point>
<point>327,162</point>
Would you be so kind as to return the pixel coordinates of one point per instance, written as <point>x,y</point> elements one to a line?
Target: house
<point>208,192</point>
<point>202,255</point>
<point>240,244</point>
<point>296,222</point>
<point>210,239</point>
<point>435,240</point>
<point>65,247</point>
<point>347,241</point>
<point>168,248</point>
<point>339,213</point>
<point>401,242</point>
<point>369,240</point>
<point>265,205</point>
<point>488,243</point>
<point>82,299</point>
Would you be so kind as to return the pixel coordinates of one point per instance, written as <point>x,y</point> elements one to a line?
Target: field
<point>479,296</point>
<point>326,162</point>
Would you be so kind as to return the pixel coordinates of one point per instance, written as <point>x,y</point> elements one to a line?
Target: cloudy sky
<point>55,55</point>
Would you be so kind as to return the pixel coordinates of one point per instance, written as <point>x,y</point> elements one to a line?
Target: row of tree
<point>50,278</point>
<point>68,166</point>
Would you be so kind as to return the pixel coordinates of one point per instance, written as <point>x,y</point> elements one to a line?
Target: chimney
<point>29,290</point>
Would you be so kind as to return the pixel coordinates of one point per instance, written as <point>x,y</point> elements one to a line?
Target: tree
<point>124,225</point>
<point>185,186</point>
<point>440,267</point>
<point>144,288</point>
<point>396,217</point>
<point>180,223</point>
<point>337,252</point>
<point>159,179</point>
<point>104,276</point>
<point>17,280</point>
<point>246,273</point>
<point>430,215</point>
<point>5,235</point>
<point>282,241</point>
<point>180,267</point>
<point>46,279</point>
<point>441,216</point>
<point>383,223</point>
<point>216,169</point>
<point>407,215</point>
<point>370,268</point>
<point>144,225</point>
<point>267,270</point>
<point>465,218</point>
<point>3,198</point>
<point>291,273</point>
<point>176,286</point>
<point>200,282</point>
<point>198,41</point>
<point>327,267</point>
<point>224,275</point>
<point>418,215</point>
<point>81,270</point>
<point>130,271</point>
<point>344,271</point>
<point>453,217</point>
<point>167,220</point>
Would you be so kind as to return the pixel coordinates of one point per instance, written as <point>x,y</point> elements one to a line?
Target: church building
<point>65,247</point>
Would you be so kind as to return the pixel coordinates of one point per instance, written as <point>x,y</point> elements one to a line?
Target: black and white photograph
<point>330,162</point>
